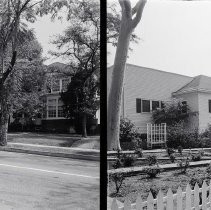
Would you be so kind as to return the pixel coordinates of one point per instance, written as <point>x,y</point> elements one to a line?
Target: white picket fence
<point>196,199</point>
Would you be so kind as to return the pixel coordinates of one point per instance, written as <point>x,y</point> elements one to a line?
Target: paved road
<point>39,182</point>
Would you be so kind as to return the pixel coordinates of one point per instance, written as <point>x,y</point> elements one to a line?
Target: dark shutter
<point>138,105</point>
<point>209,106</point>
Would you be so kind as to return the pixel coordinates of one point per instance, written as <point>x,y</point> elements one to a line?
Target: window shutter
<point>209,106</point>
<point>138,105</point>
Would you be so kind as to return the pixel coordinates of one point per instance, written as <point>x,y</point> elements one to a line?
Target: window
<point>51,108</point>
<point>65,83</point>
<point>184,107</point>
<point>138,105</point>
<point>60,108</point>
<point>146,105</point>
<point>162,105</point>
<point>56,86</point>
<point>209,106</point>
<point>155,105</point>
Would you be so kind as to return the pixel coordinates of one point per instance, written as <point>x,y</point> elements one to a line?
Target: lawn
<point>141,184</point>
<point>62,140</point>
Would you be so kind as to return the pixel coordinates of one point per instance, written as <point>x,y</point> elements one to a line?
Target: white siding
<point>146,83</point>
<point>192,102</point>
<point>204,115</point>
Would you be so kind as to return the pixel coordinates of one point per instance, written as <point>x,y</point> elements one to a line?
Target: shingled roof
<point>199,83</point>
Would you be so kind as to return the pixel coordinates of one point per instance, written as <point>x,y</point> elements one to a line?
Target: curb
<point>52,154</point>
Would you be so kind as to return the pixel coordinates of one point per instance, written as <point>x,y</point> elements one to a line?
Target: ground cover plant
<point>142,184</point>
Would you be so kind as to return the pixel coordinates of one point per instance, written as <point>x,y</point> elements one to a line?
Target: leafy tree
<point>14,33</point>
<point>127,26</point>
<point>174,111</point>
<point>80,44</point>
<point>82,98</point>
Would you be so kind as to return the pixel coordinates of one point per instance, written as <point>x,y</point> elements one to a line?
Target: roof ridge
<point>153,69</point>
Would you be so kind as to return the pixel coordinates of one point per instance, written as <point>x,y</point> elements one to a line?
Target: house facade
<point>146,89</point>
<point>52,118</point>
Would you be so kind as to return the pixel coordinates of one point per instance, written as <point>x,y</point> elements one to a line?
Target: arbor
<point>80,44</point>
<point>127,26</point>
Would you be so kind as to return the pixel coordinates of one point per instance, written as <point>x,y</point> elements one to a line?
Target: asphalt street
<point>38,182</point>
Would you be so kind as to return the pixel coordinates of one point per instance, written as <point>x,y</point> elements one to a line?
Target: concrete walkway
<point>66,152</point>
<point>112,153</point>
<point>165,167</point>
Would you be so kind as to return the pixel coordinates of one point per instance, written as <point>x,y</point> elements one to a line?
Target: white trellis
<point>196,199</point>
<point>156,134</point>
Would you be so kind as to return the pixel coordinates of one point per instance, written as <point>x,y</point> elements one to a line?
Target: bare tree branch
<point>139,12</point>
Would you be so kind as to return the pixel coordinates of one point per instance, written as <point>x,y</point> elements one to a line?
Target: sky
<point>175,36</point>
<point>45,30</point>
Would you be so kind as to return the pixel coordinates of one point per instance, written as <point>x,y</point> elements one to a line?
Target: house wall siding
<point>145,83</point>
<point>204,115</point>
<point>192,102</point>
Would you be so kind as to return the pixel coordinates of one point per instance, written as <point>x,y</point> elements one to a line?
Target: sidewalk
<point>55,151</point>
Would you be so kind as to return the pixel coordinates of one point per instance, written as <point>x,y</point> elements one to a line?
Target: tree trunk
<point>84,120</point>
<point>3,131</point>
<point>4,117</point>
<point>115,96</point>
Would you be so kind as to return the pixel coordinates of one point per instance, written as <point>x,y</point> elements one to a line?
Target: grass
<point>141,184</point>
<point>62,140</point>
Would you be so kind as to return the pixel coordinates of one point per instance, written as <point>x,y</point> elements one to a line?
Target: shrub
<point>118,179</point>
<point>128,132</point>
<point>180,149</point>
<point>169,151</point>
<point>208,170</point>
<point>196,157</point>
<point>172,158</point>
<point>179,135</point>
<point>129,136</point>
<point>117,164</point>
<point>152,159</point>
<point>152,171</point>
<point>128,160</point>
<point>183,165</point>
<point>139,152</point>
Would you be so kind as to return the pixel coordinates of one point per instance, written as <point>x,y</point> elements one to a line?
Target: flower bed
<point>141,184</point>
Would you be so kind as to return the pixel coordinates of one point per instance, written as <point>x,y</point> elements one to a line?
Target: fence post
<point>169,205</point>
<point>196,196</point>
<point>204,196</point>
<point>139,203</point>
<point>179,198</point>
<point>127,204</point>
<point>160,204</point>
<point>150,202</point>
<point>114,205</point>
<point>188,197</point>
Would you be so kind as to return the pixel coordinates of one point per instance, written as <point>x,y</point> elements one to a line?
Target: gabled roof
<point>199,83</point>
<point>148,83</point>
